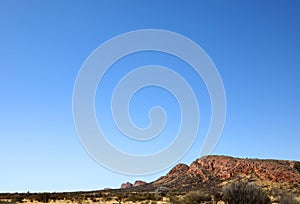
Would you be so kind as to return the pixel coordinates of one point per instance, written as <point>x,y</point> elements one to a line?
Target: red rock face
<point>225,167</point>
<point>130,185</point>
<point>221,168</point>
<point>139,183</point>
<point>126,185</point>
<point>179,169</point>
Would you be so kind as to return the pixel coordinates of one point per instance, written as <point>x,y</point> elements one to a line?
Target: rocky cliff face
<point>223,168</point>
<point>214,170</point>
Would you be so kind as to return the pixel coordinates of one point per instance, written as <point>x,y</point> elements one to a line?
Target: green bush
<point>244,193</point>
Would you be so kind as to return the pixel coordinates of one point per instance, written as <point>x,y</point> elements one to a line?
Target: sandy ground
<point>102,202</point>
<point>98,202</point>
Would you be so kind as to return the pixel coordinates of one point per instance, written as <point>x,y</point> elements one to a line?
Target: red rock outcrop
<point>139,183</point>
<point>224,168</point>
<point>126,185</point>
<point>179,169</point>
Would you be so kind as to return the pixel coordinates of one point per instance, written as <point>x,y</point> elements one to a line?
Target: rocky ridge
<point>215,170</point>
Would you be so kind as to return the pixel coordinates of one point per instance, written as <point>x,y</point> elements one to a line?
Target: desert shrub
<point>161,191</point>
<point>17,198</point>
<point>173,197</point>
<point>192,197</point>
<point>244,192</point>
<point>105,197</point>
<point>137,197</point>
<point>43,197</point>
<point>287,198</point>
<point>195,197</point>
<point>6,202</point>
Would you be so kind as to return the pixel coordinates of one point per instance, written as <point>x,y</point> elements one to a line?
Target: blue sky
<point>254,45</point>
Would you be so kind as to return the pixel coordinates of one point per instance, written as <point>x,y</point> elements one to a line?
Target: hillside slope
<point>216,171</point>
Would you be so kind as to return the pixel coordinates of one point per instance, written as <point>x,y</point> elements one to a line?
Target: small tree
<point>244,192</point>
<point>161,191</point>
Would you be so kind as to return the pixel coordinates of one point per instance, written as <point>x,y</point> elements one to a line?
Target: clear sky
<point>254,44</point>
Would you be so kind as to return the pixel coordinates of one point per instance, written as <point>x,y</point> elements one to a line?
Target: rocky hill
<point>211,171</point>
